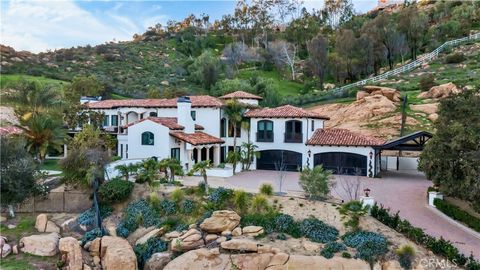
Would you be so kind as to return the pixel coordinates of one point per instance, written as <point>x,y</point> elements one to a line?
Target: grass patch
<point>117,96</point>
<point>284,86</point>
<point>25,226</point>
<point>11,79</point>
<point>50,164</point>
<point>25,261</point>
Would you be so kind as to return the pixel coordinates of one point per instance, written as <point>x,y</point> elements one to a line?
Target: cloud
<point>40,25</point>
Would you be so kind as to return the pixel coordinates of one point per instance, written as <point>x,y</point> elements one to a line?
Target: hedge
<point>440,246</point>
<point>116,190</point>
<point>457,214</point>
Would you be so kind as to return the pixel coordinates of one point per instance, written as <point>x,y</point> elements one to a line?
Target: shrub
<point>455,58</point>
<point>116,190</point>
<point>188,206</point>
<point>266,189</point>
<point>260,203</point>
<point>458,214</point>
<point>178,195</point>
<point>145,251</point>
<point>426,82</point>
<point>154,200</point>
<point>88,216</point>
<point>258,219</point>
<point>219,195</point>
<point>138,213</point>
<point>315,182</point>
<point>317,231</point>
<point>370,246</point>
<point>331,248</point>
<point>352,211</point>
<point>241,200</point>
<point>91,235</point>
<point>281,236</point>
<point>405,256</point>
<point>286,224</point>
<point>346,255</point>
<point>168,207</point>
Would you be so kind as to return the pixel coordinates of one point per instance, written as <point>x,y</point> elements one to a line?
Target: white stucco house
<point>195,128</point>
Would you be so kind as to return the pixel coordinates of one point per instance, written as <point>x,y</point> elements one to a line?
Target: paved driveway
<point>401,191</point>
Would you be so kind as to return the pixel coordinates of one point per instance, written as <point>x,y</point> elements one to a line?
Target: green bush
<point>88,216</point>
<point>138,213</point>
<point>405,254</point>
<point>352,211</point>
<point>178,195</point>
<point>145,251</point>
<point>317,231</point>
<point>458,214</point>
<point>260,203</point>
<point>315,182</point>
<point>266,189</point>
<point>241,200</point>
<point>346,255</point>
<point>440,246</point>
<point>370,246</point>
<point>331,248</point>
<point>455,58</point>
<point>116,190</point>
<point>426,82</point>
<point>265,220</point>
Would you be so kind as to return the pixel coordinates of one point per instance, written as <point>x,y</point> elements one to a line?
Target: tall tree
<point>337,12</point>
<point>413,24</point>
<point>382,29</point>
<point>284,54</point>
<point>202,167</point>
<point>234,111</point>
<point>451,158</point>
<point>205,69</point>
<point>84,86</point>
<point>318,57</point>
<point>345,46</point>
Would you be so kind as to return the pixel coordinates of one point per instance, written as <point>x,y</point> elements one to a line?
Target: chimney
<point>184,117</point>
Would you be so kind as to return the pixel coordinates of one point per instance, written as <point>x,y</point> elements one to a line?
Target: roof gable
<point>286,111</point>
<point>342,137</point>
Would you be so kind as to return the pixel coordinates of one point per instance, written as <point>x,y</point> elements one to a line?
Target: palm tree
<point>202,167</point>
<point>248,153</point>
<point>31,99</point>
<point>43,133</point>
<point>234,111</point>
<point>174,167</point>
<point>124,170</point>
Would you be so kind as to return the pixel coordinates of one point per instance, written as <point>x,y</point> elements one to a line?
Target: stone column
<point>208,153</point>
<point>216,155</point>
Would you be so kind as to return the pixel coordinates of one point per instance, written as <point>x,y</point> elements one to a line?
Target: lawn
<point>50,164</point>
<point>284,87</point>
<point>7,79</point>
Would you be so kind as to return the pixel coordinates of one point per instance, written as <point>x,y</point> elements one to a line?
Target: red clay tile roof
<point>286,111</point>
<point>196,138</point>
<point>10,130</point>
<point>338,136</point>
<point>242,95</point>
<point>169,122</point>
<point>197,101</point>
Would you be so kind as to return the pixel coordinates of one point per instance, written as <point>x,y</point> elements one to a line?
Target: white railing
<point>407,67</point>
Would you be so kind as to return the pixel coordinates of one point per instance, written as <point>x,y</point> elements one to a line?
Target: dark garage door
<point>268,159</point>
<point>342,163</point>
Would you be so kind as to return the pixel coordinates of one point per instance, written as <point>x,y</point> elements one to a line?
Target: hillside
<point>382,117</point>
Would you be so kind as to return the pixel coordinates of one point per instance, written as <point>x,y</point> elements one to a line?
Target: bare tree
<point>281,169</point>
<point>284,54</point>
<point>350,188</point>
<point>337,12</point>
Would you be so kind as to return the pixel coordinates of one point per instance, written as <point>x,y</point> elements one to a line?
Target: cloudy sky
<point>41,25</point>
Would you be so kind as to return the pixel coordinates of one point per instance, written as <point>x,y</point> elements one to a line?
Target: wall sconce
<point>309,153</point>
<point>370,154</point>
<point>367,192</point>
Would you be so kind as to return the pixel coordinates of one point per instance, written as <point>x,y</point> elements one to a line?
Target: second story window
<point>153,114</point>
<point>105,120</point>
<point>293,131</point>
<point>223,128</point>
<point>194,115</point>
<point>147,138</point>
<point>265,131</point>
<point>114,120</point>
<point>313,125</point>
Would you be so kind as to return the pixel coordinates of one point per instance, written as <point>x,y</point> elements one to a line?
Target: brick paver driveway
<point>401,191</point>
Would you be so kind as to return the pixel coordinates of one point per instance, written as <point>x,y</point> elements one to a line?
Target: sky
<point>41,25</point>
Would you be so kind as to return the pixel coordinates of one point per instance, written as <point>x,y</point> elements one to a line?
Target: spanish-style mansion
<point>195,128</point>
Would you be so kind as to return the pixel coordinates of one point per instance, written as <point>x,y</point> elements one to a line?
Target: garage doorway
<point>268,158</point>
<point>342,163</point>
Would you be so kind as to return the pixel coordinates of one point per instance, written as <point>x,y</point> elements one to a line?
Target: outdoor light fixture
<point>309,153</point>
<point>367,192</point>
<point>370,154</point>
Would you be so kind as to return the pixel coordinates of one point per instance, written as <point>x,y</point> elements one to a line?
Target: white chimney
<point>184,117</point>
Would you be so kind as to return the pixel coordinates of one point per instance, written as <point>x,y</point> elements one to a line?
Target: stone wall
<point>71,202</point>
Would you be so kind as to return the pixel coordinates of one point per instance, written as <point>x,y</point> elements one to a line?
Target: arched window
<point>293,131</point>
<point>265,131</point>
<point>223,127</point>
<point>147,138</point>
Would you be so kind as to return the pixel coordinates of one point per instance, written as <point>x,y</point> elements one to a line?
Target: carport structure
<point>414,142</point>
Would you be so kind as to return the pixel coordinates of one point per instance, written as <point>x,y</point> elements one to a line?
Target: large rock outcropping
<point>41,245</point>
<point>117,254</point>
<point>71,253</point>
<point>223,220</point>
<point>441,91</point>
<point>370,90</point>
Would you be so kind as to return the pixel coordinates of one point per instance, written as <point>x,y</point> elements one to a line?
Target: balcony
<point>293,137</point>
<point>261,137</point>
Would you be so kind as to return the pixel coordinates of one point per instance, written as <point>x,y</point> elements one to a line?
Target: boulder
<point>240,245</point>
<point>15,249</point>
<point>192,239</point>
<point>41,222</point>
<point>52,227</point>
<point>41,245</point>
<point>361,95</point>
<point>158,261</point>
<point>220,221</point>
<point>199,259</point>
<point>370,90</point>
<point>226,233</point>
<point>139,233</point>
<point>69,224</point>
<point>237,231</point>
<point>310,246</point>
<point>428,108</point>
<point>95,247</point>
<point>221,239</point>
<point>69,247</point>
<point>252,231</point>
<point>172,235</point>
<point>11,226</point>
<point>441,91</point>
<point>111,223</point>
<point>322,263</point>
<point>210,237</point>
<point>328,86</point>
<point>117,254</point>
<point>155,233</point>
<point>433,117</point>
<point>6,250</point>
